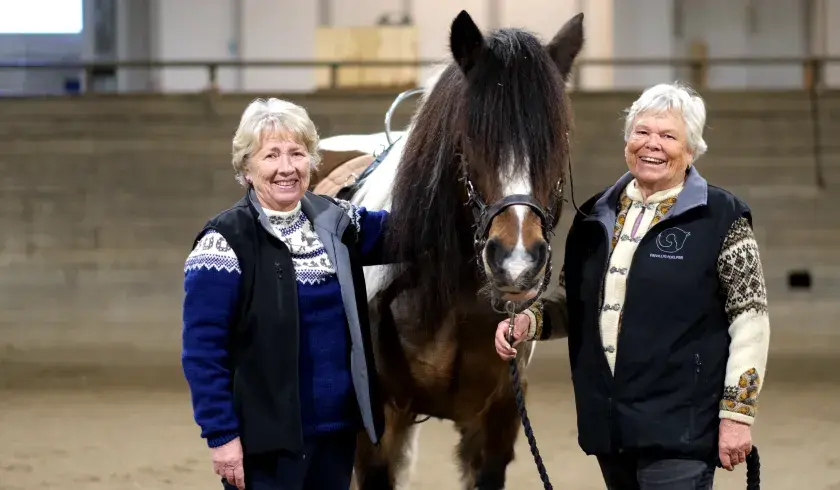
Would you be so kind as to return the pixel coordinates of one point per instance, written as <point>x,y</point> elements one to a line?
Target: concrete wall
<point>184,32</point>
<point>767,29</point>
<point>100,199</point>
<point>38,48</point>
<point>43,48</point>
<point>99,203</point>
<point>638,29</point>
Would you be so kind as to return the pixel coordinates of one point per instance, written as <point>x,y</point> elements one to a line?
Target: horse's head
<point>513,124</point>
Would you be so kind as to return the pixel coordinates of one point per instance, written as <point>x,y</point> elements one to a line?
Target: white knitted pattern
<point>352,212</point>
<point>615,285</point>
<point>212,252</point>
<point>311,262</point>
<point>742,279</point>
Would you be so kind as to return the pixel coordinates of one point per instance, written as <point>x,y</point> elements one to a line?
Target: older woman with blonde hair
<point>665,309</point>
<point>276,343</point>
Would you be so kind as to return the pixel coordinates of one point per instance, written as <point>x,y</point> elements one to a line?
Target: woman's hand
<point>521,324</point>
<point>227,463</point>
<point>734,443</point>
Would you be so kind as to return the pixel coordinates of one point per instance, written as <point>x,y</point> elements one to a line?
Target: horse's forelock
<point>517,112</point>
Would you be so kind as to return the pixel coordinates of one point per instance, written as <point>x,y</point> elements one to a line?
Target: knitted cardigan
<point>211,284</point>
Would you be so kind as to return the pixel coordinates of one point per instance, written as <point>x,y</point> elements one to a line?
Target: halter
<point>483,215</point>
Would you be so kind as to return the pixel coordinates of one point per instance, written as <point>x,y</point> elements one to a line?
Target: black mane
<point>505,98</point>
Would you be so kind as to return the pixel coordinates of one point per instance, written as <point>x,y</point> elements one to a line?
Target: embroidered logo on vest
<point>670,241</point>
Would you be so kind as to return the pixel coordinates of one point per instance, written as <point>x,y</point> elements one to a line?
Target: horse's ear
<point>465,41</point>
<point>567,44</point>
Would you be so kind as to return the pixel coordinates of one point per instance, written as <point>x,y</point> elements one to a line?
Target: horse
<point>474,188</point>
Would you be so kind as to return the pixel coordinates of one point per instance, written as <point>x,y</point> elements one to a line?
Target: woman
<point>666,267</point>
<point>276,346</point>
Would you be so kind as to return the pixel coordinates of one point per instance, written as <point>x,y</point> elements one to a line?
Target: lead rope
<point>520,403</point>
<point>753,470</point>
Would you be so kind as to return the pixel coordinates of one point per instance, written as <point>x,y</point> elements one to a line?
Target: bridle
<point>483,215</point>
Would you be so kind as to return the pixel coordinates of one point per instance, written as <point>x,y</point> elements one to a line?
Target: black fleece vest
<point>264,341</point>
<point>674,342</point>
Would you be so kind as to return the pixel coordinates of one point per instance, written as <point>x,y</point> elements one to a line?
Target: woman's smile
<point>287,184</point>
<point>652,160</point>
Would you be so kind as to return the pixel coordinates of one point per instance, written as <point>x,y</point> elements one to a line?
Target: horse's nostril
<point>495,251</point>
<point>540,252</point>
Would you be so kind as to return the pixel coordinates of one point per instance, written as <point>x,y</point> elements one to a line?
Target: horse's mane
<point>512,102</point>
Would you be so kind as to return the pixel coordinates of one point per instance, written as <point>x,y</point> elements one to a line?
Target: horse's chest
<point>451,378</point>
<point>433,361</point>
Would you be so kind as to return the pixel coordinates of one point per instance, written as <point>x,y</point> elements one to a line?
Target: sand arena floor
<point>111,425</point>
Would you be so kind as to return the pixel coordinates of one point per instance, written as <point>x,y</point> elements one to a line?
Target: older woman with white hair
<point>276,343</point>
<point>665,309</point>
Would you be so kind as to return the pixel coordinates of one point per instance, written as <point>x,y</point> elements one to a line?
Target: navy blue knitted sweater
<point>211,284</point>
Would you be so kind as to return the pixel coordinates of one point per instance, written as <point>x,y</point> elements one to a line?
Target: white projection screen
<point>41,16</point>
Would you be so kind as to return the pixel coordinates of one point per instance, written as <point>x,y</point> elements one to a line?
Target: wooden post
<point>213,78</point>
<point>811,74</point>
<point>699,70</point>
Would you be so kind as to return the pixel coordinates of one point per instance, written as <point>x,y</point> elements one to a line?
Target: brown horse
<point>474,188</point>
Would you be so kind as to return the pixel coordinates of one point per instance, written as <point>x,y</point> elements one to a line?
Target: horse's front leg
<point>487,445</point>
<point>385,466</point>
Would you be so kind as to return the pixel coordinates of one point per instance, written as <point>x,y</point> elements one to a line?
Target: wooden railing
<point>698,67</point>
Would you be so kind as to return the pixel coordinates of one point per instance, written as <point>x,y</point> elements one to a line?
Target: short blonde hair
<point>271,117</point>
<point>674,97</point>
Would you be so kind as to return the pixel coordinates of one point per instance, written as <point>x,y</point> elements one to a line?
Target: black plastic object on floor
<point>799,279</point>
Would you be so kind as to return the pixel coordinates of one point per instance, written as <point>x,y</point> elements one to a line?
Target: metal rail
<point>400,98</point>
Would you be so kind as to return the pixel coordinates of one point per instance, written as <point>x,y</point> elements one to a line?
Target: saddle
<point>339,169</point>
<point>342,173</point>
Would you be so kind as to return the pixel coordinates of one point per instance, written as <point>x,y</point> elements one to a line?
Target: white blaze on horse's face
<point>516,253</point>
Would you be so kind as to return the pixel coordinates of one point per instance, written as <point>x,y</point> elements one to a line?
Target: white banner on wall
<point>41,16</point>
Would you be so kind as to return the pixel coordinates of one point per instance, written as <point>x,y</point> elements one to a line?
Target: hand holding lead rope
<point>509,308</point>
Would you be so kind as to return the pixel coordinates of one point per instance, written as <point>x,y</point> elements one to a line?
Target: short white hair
<point>676,98</point>
<point>267,118</point>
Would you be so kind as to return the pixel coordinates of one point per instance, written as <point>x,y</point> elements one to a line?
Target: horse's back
<point>365,143</point>
<point>375,192</point>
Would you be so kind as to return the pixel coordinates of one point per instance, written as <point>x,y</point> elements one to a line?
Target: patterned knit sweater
<point>742,282</point>
<point>211,284</point>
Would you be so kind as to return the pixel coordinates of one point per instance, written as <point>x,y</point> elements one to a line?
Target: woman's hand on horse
<point>521,324</point>
<point>227,463</point>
